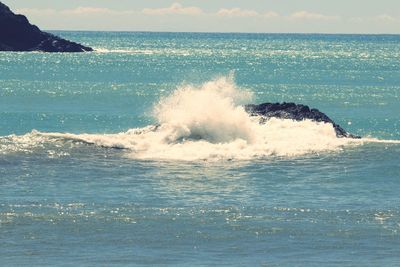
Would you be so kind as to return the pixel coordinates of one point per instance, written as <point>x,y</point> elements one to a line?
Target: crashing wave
<point>209,122</point>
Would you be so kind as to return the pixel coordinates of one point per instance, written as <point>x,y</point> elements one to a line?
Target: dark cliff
<point>17,34</point>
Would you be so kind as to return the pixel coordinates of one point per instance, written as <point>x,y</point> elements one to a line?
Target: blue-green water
<point>79,201</point>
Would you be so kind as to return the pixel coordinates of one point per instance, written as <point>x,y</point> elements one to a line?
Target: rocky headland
<point>17,34</point>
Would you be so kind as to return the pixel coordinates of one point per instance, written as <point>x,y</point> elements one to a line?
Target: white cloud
<point>76,11</point>
<point>305,15</point>
<point>175,8</point>
<point>36,11</point>
<point>386,18</point>
<point>237,12</point>
<point>85,10</point>
<point>380,19</point>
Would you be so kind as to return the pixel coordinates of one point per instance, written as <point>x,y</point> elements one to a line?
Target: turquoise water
<point>74,199</point>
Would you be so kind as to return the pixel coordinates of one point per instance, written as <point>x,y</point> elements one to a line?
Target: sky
<point>270,16</point>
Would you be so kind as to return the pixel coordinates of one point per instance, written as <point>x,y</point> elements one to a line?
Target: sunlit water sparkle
<point>80,186</point>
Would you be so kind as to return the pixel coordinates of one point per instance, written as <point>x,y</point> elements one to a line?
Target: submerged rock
<point>17,34</point>
<point>295,112</point>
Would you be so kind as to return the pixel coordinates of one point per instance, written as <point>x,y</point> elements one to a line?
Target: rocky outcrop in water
<point>295,112</point>
<point>17,34</point>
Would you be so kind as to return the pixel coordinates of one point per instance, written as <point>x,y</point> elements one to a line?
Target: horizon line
<point>205,32</point>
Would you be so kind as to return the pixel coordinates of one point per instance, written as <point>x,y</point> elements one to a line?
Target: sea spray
<point>205,122</point>
<point>210,112</point>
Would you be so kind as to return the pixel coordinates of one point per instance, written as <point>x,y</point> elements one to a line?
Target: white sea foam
<point>207,122</point>
<point>124,51</point>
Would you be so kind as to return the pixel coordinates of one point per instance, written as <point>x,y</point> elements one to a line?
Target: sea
<point>141,153</point>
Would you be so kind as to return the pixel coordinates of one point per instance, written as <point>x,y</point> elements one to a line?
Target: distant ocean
<point>141,153</point>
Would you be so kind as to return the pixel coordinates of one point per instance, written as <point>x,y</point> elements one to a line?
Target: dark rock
<point>295,112</point>
<point>17,34</point>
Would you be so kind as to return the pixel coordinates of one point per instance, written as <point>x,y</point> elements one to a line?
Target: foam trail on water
<point>208,122</point>
<point>378,141</point>
<point>123,51</point>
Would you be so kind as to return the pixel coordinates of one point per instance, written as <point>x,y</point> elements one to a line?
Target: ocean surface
<point>141,153</point>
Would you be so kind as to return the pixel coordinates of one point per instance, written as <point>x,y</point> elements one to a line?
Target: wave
<point>206,122</point>
<point>170,51</point>
<point>378,141</point>
<point>123,51</point>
